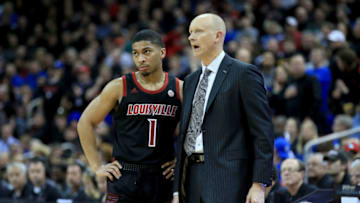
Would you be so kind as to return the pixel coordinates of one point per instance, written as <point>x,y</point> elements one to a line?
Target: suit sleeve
<point>260,129</point>
<point>178,149</point>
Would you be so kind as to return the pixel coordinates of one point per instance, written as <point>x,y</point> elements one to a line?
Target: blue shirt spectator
<point>323,74</point>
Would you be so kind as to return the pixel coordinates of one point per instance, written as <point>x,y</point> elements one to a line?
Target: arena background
<point>56,56</point>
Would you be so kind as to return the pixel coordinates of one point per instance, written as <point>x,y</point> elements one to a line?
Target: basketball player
<point>145,106</point>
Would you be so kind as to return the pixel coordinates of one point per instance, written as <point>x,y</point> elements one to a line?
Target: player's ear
<point>162,52</point>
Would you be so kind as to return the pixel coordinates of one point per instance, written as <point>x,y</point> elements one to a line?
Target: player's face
<point>147,56</point>
<point>202,37</point>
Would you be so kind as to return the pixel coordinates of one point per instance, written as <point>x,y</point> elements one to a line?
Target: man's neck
<point>319,65</point>
<point>299,76</point>
<point>316,179</point>
<point>293,189</point>
<point>19,190</point>
<point>40,184</point>
<point>75,189</point>
<point>206,60</point>
<point>155,77</point>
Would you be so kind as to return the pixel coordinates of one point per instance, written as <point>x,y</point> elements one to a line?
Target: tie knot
<point>207,72</point>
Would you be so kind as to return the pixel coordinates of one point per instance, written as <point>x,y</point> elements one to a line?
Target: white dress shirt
<point>213,67</point>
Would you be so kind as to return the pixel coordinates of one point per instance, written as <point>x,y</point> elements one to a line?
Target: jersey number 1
<point>152,132</point>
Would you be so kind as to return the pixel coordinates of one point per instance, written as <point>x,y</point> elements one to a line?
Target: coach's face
<point>147,56</point>
<point>202,36</point>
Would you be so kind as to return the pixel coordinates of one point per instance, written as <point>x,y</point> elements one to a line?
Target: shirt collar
<point>215,64</point>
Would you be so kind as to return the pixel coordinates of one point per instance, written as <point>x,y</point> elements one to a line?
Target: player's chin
<point>145,72</point>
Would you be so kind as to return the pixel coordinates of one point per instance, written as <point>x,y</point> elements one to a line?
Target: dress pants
<point>194,187</point>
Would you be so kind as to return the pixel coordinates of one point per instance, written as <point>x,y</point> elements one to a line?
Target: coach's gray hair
<point>17,165</point>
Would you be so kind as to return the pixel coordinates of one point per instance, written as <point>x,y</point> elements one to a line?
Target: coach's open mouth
<point>196,47</point>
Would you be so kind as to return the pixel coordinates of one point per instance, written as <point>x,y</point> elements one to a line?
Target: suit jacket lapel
<point>190,92</point>
<point>220,76</point>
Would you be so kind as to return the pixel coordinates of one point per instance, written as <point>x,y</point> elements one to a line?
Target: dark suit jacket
<point>237,132</point>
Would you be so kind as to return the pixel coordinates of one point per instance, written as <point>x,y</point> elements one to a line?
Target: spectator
<point>292,131</point>
<point>244,55</point>
<point>292,32</point>
<point>247,29</point>
<point>4,190</point>
<point>308,42</point>
<point>75,188</point>
<point>337,167</point>
<point>302,17</point>
<point>346,83</point>
<point>308,132</point>
<point>355,42</point>
<point>303,94</point>
<point>282,151</point>
<point>277,98</point>
<point>316,171</point>
<point>292,173</point>
<point>58,175</point>
<point>289,50</point>
<point>353,148</point>
<point>16,174</point>
<point>279,125</point>
<point>43,188</point>
<point>267,68</point>
<point>355,172</point>
<point>320,69</point>
<point>341,123</point>
<point>337,41</point>
<point>7,138</point>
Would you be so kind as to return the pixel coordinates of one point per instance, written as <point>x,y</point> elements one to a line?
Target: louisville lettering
<point>151,109</point>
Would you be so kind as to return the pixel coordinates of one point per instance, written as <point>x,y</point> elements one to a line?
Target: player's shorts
<point>139,185</point>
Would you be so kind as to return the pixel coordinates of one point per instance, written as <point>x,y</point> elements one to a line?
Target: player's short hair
<point>148,35</point>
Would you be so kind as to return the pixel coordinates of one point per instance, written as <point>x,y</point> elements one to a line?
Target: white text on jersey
<point>151,109</point>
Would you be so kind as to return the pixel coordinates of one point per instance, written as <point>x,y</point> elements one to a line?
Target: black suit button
<point>203,131</point>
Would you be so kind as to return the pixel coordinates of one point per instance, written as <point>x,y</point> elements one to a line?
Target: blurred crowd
<point>56,56</point>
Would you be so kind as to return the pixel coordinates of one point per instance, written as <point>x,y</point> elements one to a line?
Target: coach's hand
<point>169,172</point>
<point>110,170</point>
<point>256,194</point>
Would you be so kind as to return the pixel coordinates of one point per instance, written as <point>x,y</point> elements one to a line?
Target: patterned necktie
<point>197,112</point>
